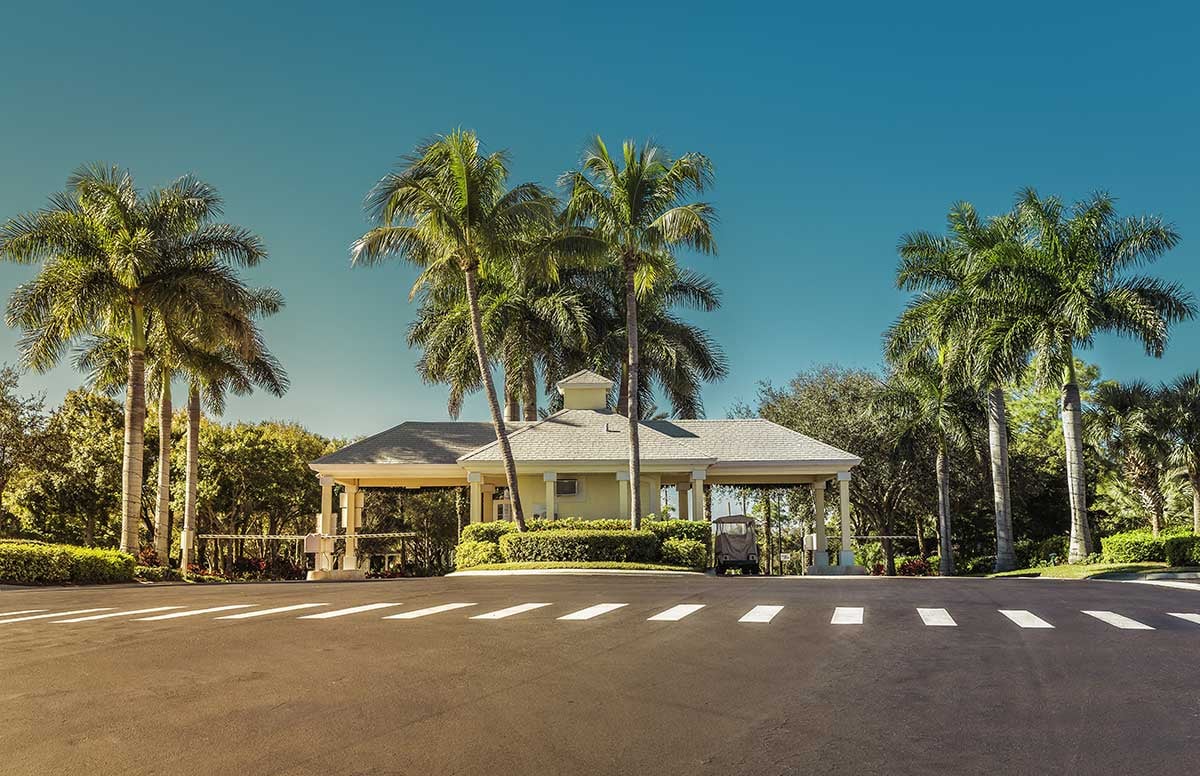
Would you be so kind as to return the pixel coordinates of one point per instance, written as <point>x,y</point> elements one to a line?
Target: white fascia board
<point>584,467</point>
<point>392,470</point>
<point>831,467</point>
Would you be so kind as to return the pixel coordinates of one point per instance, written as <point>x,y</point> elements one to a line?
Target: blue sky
<point>833,131</point>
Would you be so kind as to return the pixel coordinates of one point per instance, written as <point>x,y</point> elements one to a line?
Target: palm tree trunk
<point>1194,478</point>
<point>635,457</point>
<point>946,559</point>
<point>162,512</point>
<point>1072,420</point>
<point>192,477</point>
<point>512,407</point>
<point>135,428</point>
<point>529,391</point>
<point>623,392</point>
<point>510,467</point>
<point>1006,557</point>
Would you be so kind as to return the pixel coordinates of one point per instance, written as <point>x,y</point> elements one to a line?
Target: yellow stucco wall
<point>598,497</point>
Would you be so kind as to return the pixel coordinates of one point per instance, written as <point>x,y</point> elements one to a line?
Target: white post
<point>846,556</point>
<point>350,559</point>
<point>684,489</point>
<point>475,480</point>
<point>324,559</point>
<point>821,552</point>
<point>489,492</point>
<point>698,505</point>
<point>551,479</point>
<point>623,492</point>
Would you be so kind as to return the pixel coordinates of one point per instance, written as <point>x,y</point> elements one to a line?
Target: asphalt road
<point>614,694</point>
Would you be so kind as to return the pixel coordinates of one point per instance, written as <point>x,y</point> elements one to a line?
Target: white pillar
<point>846,556</point>
<point>475,480</point>
<point>353,505</point>
<point>684,489</point>
<point>551,479</point>
<point>324,559</point>
<point>623,493</point>
<point>698,505</point>
<point>821,553</point>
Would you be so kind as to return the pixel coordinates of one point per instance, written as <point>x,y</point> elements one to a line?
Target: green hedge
<point>472,553</point>
<point>1133,547</point>
<point>576,545</point>
<point>24,563</point>
<point>1182,550</point>
<point>685,552</point>
<point>486,532</point>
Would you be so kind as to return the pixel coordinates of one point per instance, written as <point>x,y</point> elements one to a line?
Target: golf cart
<point>734,545</point>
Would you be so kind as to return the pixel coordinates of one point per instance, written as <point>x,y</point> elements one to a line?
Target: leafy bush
<point>156,574</point>
<point>1044,552</point>
<point>486,532</point>
<point>916,566</point>
<point>579,524</point>
<point>23,563</point>
<point>476,553</point>
<point>1182,550</point>
<point>694,530</point>
<point>984,564</point>
<point>631,546</point>
<point>685,552</point>
<point>1133,547</point>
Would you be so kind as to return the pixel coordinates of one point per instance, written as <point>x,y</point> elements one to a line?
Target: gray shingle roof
<point>587,435</point>
<point>416,442</point>
<point>750,439</point>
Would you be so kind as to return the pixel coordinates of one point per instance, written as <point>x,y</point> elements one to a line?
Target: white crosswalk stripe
<point>57,614</point>
<point>500,614</point>
<point>1164,583</point>
<point>675,613</point>
<point>761,613</point>
<point>591,611</point>
<point>194,612</point>
<point>344,612</point>
<point>264,612</point>
<point>847,615</point>
<point>1117,620</point>
<point>129,613</point>
<point>1189,616</point>
<point>1025,619</point>
<point>22,611</point>
<point>426,612</point>
<point>937,617</point>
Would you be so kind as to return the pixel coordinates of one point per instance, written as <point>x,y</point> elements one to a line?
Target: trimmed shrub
<point>1182,550</point>
<point>1043,552</point>
<point>474,553</point>
<point>486,532</point>
<point>916,566</point>
<point>626,546</point>
<point>578,524</point>
<point>983,564</point>
<point>685,552</point>
<point>1133,547</point>
<point>58,564</point>
<point>695,530</point>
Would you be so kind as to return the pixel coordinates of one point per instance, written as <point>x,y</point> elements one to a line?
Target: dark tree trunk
<point>946,549</point>
<point>529,391</point>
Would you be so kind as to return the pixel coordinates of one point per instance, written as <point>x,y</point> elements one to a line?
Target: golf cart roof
<point>734,519</point>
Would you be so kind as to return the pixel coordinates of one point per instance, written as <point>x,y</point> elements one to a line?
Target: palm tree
<point>113,257</point>
<point>1075,283</point>
<point>1132,422</point>
<point>446,210</point>
<point>954,305</point>
<point>1182,399</point>
<point>675,356</point>
<point>641,214</point>
<point>922,397</point>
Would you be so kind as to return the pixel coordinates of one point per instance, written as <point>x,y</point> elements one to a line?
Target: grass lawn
<point>1081,571</point>
<point>590,564</point>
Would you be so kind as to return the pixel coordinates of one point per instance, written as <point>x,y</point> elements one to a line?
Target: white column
<point>846,556</point>
<point>821,554</point>
<point>551,479</point>
<point>698,505</point>
<point>353,500</point>
<point>324,560</point>
<point>684,489</point>
<point>623,493</point>
<point>475,480</point>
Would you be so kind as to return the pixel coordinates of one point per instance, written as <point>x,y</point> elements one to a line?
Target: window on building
<point>568,487</point>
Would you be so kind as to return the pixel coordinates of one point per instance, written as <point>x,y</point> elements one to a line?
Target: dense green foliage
<point>36,563</point>
<point>580,545</point>
<point>1133,547</point>
<point>471,553</point>
<point>685,552</point>
<point>1181,550</point>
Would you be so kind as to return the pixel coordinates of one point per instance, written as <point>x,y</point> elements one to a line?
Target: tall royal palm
<point>1132,422</point>
<point>1077,282</point>
<point>1182,400</point>
<point>640,210</point>
<point>955,304</point>
<point>113,257</point>
<point>446,209</point>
